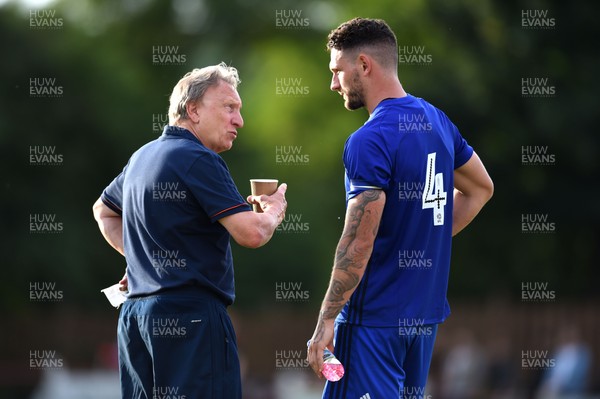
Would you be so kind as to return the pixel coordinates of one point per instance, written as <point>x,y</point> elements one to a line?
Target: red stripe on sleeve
<point>225,210</point>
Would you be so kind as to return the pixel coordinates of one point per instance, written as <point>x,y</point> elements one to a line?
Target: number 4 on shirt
<point>434,196</point>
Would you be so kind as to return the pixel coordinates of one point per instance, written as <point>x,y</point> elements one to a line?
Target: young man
<point>412,182</point>
<point>171,213</point>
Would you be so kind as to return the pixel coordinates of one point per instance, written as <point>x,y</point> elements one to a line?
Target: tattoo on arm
<point>319,330</point>
<point>351,256</point>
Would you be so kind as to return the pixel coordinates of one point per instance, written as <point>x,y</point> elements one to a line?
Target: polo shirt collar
<point>171,131</point>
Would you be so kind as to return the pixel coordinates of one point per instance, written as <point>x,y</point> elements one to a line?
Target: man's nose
<point>238,121</point>
<point>335,83</point>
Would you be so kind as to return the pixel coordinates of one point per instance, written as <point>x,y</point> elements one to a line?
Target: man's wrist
<point>328,315</point>
<point>277,214</point>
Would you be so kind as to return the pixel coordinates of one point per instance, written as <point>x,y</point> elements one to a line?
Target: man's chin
<point>224,147</point>
<point>353,106</point>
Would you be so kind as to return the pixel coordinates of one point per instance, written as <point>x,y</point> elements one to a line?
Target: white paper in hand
<point>115,296</point>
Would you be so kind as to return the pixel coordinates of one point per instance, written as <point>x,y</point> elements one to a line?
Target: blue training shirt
<point>409,149</point>
<point>171,195</point>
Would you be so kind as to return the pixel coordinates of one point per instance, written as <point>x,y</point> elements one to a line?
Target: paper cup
<point>262,187</point>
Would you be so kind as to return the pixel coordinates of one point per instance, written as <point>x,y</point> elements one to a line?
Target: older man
<point>171,213</point>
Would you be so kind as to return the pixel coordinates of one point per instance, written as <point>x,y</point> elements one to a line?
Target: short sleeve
<point>211,185</point>
<point>462,150</point>
<point>367,162</point>
<point>112,196</point>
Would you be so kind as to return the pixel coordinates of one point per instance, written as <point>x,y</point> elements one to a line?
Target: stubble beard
<point>355,95</point>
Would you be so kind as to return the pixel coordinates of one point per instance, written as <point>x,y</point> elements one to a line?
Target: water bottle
<point>332,370</point>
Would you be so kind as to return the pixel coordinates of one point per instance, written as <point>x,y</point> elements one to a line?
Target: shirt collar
<point>387,102</point>
<point>171,131</point>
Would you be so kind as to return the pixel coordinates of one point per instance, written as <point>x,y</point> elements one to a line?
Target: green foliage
<point>103,58</point>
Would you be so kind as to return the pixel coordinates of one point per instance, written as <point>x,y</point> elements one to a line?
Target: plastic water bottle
<point>332,370</point>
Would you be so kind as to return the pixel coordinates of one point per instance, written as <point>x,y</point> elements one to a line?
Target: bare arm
<point>110,224</point>
<point>253,230</point>
<point>352,255</point>
<point>473,187</point>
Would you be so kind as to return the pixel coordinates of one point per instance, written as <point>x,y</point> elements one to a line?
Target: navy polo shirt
<point>171,194</point>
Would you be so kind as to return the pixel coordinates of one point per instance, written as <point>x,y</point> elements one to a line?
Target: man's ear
<point>365,64</point>
<point>192,108</point>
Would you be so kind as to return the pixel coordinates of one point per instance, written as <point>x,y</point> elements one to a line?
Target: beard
<point>355,95</point>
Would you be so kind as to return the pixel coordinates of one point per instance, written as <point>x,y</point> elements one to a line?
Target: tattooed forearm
<point>341,283</point>
<point>354,250</point>
<point>319,330</point>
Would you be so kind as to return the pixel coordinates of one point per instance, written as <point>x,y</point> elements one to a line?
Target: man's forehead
<point>337,58</point>
<point>233,97</point>
<point>225,92</point>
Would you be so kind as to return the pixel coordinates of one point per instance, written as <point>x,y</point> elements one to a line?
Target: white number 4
<point>434,196</point>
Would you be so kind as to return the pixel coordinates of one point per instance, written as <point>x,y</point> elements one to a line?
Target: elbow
<point>483,194</point>
<point>97,209</point>
<point>489,190</point>
<point>248,229</point>
<point>253,238</point>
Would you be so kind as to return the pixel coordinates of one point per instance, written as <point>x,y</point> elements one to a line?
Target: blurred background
<point>84,83</point>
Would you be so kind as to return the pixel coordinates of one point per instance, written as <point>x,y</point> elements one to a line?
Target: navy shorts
<point>382,362</point>
<point>177,344</point>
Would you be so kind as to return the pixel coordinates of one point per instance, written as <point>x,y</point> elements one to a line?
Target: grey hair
<point>193,85</point>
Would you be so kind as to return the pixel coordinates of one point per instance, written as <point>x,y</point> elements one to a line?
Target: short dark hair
<point>366,34</point>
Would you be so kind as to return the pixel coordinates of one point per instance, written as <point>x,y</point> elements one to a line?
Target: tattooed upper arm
<point>354,249</point>
<point>362,223</point>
